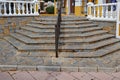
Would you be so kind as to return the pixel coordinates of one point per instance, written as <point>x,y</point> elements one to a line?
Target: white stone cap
<point>90,3</point>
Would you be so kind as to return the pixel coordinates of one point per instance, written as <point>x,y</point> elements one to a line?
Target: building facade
<point>79,7</point>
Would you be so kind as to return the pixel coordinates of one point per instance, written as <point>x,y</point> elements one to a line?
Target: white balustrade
<point>18,8</point>
<point>118,20</point>
<point>104,12</point>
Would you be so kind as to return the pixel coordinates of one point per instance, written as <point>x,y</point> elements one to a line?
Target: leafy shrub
<point>50,9</point>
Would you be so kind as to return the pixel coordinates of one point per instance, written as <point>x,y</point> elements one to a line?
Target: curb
<point>58,68</point>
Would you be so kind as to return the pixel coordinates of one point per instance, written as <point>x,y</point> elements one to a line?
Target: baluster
<point>0,9</point>
<point>5,9</point>
<point>98,15</point>
<point>94,11</point>
<point>102,15</point>
<point>27,8</point>
<point>106,11</point>
<point>19,8</point>
<point>111,12</point>
<point>30,8</point>
<point>34,8</point>
<point>10,8</point>
<point>23,8</point>
<point>14,8</point>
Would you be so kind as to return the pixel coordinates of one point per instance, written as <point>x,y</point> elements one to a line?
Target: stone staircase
<point>80,38</point>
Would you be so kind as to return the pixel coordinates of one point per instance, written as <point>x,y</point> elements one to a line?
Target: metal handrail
<point>57,28</point>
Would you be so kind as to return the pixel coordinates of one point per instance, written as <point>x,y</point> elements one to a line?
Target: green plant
<point>50,10</point>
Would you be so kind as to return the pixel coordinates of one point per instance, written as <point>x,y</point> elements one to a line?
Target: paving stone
<point>117,75</point>
<point>101,76</point>
<point>22,76</point>
<point>64,76</point>
<point>41,75</point>
<point>78,75</point>
<point>5,76</point>
<point>48,68</point>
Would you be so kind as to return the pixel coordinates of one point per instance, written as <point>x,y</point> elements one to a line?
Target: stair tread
<point>38,30</point>
<point>33,29</point>
<point>91,46</point>
<point>97,53</point>
<point>21,46</point>
<point>34,35</point>
<point>53,23</point>
<point>83,34</point>
<point>62,26</point>
<point>32,41</point>
<point>38,35</point>
<point>92,39</point>
<point>63,19</point>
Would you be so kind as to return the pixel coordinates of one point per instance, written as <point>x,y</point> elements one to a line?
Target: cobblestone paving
<point>10,56</point>
<point>35,75</point>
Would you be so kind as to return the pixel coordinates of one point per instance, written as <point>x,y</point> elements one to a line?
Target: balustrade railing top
<point>18,8</point>
<point>104,12</point>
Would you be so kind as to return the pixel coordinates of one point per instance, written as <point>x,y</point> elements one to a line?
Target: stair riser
<point>46,43</point>
<point>62,32</point>
<point>62,26</point>
<point>84,49</point>
<point>62,23</point>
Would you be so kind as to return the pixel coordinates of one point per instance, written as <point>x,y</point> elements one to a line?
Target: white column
<point>30,8</point>
<point>106,15</point>
<point>14,9</point>
<point>94,11</point>
<point>68,5</point>
<point>26,8</point>
<point>10,8</point>
<point>23,8</point>
<point>111,12</point>
<point>5,9</point>
<point>19,8</point>
<point>118,20</point>
<point>98,14</point>
<point>0,9</point>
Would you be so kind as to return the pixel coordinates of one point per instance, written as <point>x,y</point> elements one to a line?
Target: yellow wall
<point>78,9</point>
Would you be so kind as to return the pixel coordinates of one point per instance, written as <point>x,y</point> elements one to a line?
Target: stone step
<point>74,30</point>
<point>88,34</point>
<point>68,35</point>
<point>32,29</point>
<point>62,23</point>
<point>23,47</point>
<point>63,20</point>
<point>88,40</point>
<point>35,35</point>
<point>94,54</point>
<point>62,26</point>
<point>29,41</point>
<point>92,46</point>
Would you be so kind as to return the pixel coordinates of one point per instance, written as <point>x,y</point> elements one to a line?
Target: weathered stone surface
<point>87,69</point>
<point>26,68</point>
<point>8,67</point>
<point>32,61</point>
<point>69,69</point>
<point>106,69</point>
<point>48,68</point>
